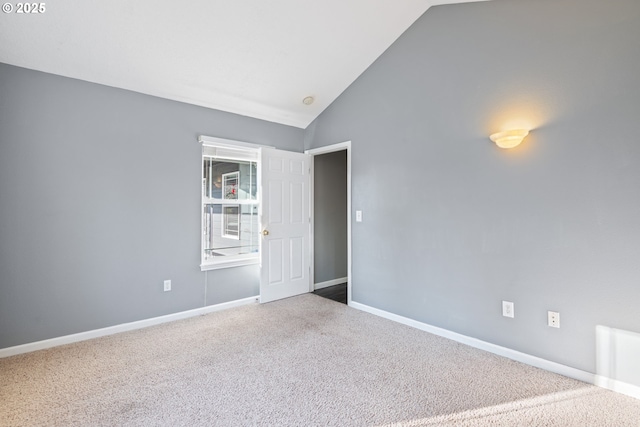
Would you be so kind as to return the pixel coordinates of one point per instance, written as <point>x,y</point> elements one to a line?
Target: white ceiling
<point>258,58</point>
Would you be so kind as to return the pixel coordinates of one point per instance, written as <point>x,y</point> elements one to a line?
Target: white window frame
<point>243,151</point>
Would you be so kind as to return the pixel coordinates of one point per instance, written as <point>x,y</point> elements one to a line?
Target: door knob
<point>265,232</point>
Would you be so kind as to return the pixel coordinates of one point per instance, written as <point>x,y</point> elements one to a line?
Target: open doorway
<point>331,224</point>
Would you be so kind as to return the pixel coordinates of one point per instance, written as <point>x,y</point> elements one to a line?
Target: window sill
<point>229,263</point>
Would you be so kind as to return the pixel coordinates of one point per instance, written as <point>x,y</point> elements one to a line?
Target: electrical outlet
<point>358,216</point>
<point>167,285</point>
<point>553,319</point>
<point>507,309</point>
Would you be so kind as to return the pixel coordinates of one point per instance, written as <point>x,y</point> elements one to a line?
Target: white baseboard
<point>96,333</point>
<point>598,380</point>
<point>617,386</point>
<point>330,283</point>
<point>567,371</point>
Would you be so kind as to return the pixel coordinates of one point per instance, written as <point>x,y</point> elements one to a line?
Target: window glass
<point>231,222</point>
<point>230,209</point>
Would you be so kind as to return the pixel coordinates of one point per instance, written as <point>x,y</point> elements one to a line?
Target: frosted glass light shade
<point>509,138</point>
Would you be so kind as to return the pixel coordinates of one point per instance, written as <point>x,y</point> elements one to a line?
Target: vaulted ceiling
<point>251,57</point>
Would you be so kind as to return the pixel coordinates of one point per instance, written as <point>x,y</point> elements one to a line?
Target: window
<point>230,224</point>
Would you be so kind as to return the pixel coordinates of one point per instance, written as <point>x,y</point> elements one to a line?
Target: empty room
<point>303,213</point>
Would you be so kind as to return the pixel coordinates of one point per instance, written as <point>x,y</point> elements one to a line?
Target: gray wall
<point>454,225</point>
<point>330,216</point>
<point>100,202</point>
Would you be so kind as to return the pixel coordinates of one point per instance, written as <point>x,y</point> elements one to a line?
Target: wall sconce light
<point>509,138</point>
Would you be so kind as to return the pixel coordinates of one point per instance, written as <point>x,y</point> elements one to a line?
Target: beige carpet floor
<point>303,361</point>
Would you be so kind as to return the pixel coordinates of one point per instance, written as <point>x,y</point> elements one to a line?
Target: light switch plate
<point>507,309</point>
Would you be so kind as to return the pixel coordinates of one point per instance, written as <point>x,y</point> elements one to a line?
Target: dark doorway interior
<point>337,293</point>
<point>330,228</point>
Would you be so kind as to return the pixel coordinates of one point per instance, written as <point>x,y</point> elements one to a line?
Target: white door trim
<point>324,150</point>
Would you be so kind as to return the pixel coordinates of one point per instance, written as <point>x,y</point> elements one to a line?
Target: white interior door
<point>284,250</point>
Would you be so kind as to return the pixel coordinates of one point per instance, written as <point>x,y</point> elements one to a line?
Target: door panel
<point>296,261</point>
<point>276,164</point>
<point>296,167</point>
<point>296,191</point>
<point>276,261</point>
<point>285,251</point>
<point>276,201</point>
